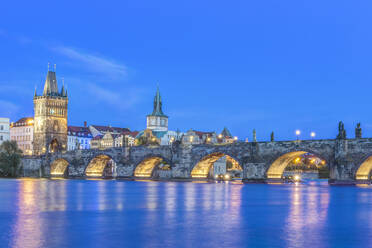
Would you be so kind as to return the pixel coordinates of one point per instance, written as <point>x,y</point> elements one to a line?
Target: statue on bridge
<point>254,135</point>
<point>358,131</point>
<point>341,131</point>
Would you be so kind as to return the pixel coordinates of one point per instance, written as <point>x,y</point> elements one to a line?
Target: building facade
<point>193,137</point>
<point>78,138</point>
<point>22,132</point>
<point>4,130</point>
<point>104,137</point>
<point>126,139</point>
<point>50,117</point>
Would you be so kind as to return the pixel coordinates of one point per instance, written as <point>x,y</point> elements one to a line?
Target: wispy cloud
<point>8,109</point>
<point>120,101</point>
<point>94,62</point>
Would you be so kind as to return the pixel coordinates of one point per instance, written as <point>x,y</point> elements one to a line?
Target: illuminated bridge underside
<point>58,167</point>
<point>277,168</point>
<point>364,170</point>
<point>97,166</point>
<point>146,167</point>
<point>201,170</point>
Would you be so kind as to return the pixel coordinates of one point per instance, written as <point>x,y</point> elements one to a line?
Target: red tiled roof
<point>78,131</point>
<point>110,129</point>
<point>133,134</point>
<point>200,134</point>
<point>98,137</point>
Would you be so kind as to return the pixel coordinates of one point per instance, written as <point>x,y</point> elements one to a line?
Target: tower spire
<point>50,86</point>
<point>157,104</point>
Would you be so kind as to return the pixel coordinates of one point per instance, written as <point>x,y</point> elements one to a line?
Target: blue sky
<point>269,65</point>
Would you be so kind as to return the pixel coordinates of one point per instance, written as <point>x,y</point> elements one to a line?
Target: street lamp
<point>312,134</point>
<point>298,132</point>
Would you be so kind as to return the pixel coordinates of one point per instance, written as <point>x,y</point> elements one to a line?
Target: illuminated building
<point>22,132</point>
<point>50,117</point>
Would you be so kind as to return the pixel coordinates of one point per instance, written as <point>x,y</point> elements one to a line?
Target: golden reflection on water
<point>152,195</point>
<point>27,232</point>
<point>308,211</point>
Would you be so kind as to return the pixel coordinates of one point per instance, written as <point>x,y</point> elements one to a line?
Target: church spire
<point>157,104</point>
<point>50,86</point>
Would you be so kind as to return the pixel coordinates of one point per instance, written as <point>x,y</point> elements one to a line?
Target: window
<point>1,127</point>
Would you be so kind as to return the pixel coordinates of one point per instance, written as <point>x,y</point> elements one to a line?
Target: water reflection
<point>307,215</point>
<point>28,231</point>
<point>105,213</point>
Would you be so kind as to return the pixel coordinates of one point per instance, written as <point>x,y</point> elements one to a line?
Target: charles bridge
<point>348,160</point>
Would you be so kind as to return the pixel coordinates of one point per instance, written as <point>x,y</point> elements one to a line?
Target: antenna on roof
<point>48,66</point>
<point>55,67</point>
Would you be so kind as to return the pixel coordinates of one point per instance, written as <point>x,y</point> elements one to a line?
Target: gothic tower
<point>50,117</point>
<point>157,121</point>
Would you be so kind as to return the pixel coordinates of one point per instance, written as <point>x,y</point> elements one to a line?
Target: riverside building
<point>4,130</point>
<point>22,132</point>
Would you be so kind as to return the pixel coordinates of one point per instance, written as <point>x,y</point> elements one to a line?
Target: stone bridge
<point>349,160</point>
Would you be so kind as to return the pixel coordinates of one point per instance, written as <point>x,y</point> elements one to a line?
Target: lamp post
<point>298,132</point>
<point>312,134</point>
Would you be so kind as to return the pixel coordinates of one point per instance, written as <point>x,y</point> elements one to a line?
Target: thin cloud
<point>8,109</point>
<point>111,97</point>
<point>94,62</point>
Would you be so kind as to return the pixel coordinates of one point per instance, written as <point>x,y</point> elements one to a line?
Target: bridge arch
<point>202,169</point>
<point>101,166</point>
<point>149,165</point>
<point>59,168</point>
<point>278,166</point>
<point>364,170</point>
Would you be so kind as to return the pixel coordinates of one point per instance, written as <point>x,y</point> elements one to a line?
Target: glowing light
<point>235,138</point>
<point>227,177</point>
<point>297,160</point>
<point>297,178</point>
<point>312,134</point>
<point>146,167</point>
<point>220,136</point>
<point>298,132</point>
<point>191,138</point>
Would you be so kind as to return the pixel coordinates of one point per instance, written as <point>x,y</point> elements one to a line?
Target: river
<point>114,213</point>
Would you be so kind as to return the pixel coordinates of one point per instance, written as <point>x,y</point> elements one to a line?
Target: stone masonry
<point>343,156</point>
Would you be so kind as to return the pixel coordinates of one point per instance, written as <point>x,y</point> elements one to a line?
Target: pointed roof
<point>50,86</point>
<point>158,105</point>
<point>225,132</point>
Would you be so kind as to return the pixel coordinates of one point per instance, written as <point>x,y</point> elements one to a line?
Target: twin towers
<point>50,117</point>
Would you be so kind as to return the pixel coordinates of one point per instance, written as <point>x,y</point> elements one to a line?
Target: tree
<point>10,158</point>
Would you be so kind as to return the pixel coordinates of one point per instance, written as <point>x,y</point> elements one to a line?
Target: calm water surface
<point>105,213</point>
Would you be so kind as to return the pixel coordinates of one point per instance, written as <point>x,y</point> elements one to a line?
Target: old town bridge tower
<point>50,117</point>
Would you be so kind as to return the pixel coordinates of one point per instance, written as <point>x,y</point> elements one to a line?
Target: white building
<point>4,130</point>
<point>78,138</point>
<point>22,131</point>
<point>193,137</point>
<point>125,139</point>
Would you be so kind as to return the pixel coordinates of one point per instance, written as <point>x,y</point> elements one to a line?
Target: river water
<point>109,213</point>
